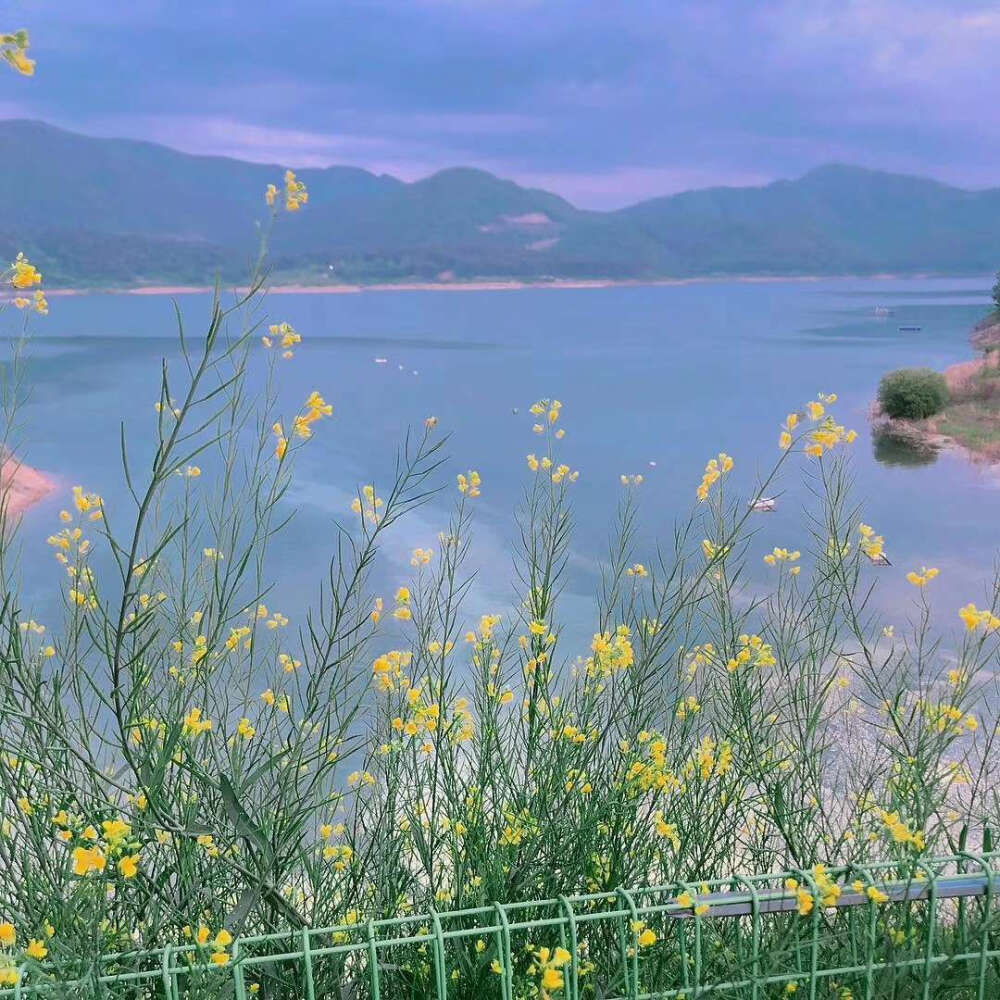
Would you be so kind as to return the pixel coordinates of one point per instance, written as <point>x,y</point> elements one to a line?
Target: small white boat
<point>764,504</point>
<point>381,361</point>
<point>652,464</point>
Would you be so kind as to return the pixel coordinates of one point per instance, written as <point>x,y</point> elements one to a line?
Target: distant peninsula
<point>115,213</point>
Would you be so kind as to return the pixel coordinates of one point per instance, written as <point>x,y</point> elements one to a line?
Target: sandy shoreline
<point>21,487</point>
<point>487,286</point>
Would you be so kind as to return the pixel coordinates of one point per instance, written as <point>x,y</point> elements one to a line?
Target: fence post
<point>574,961</point>
<point>504,954</point>
<point>373,974</point>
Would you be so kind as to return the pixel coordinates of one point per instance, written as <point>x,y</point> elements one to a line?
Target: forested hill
<point>114,211</point>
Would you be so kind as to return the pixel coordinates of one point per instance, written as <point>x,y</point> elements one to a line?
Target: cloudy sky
<point>605,102</point>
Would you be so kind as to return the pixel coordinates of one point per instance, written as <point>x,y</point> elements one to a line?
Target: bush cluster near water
<point>912,393</point>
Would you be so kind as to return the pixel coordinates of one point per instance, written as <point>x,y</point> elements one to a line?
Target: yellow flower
<point>194,724</point>
<point>784,441</point>
<point>647,937</point>
<point>468,484</point>
<point>923,577</point>
<point>36,949</point>
<point>296,194</point>
<point>17,57</point>
<point>115,830</point>
<point>973,618</point>
<point>129,866</point>
<point>714,470</point>
<point>87,860</point>
<point>24,273</point>
<point>552,979</point>
<point>876,895</point>
<point>8,936</point>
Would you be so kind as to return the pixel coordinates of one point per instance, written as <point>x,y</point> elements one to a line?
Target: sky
<point>604,102</point>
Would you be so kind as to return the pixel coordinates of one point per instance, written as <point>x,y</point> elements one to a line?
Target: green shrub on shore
<point>912,393</point>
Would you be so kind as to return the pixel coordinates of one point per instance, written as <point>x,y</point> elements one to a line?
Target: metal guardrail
<point>288,963</point>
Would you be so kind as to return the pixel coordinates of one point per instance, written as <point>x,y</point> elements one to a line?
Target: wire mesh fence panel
<point>901,929</point>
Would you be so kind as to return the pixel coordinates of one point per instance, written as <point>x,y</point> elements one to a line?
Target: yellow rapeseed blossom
<point>296,194</point>
<point>547,964</point>
<point>714,470</point>
<point>129,866</point>
<point>36,949</point>
<point>87,860</point>
<point>282,335</point>
<point>23,273</point>
<point>922,578</point>
<point>974,618</point>
<point>873,545</point>
<point>468,484</point>
<point>194,724</point>
<point>14,49</point>
<point>368,505</point>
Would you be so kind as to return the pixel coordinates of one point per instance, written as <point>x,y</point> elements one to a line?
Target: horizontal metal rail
<point>732,904</point>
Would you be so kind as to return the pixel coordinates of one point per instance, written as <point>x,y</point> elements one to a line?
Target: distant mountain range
<point>115,211</point>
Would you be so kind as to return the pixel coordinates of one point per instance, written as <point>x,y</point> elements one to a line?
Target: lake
<point>668,375</point>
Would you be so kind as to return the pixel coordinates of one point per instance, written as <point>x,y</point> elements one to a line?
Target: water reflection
<point>892,447</point>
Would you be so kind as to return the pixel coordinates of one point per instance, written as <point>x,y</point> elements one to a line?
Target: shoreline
<point>961,379</point>
<point>498,285</point>
<point>21,487</point>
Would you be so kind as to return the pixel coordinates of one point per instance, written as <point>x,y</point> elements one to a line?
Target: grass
<point>184,760</point>
<point>972,415</point>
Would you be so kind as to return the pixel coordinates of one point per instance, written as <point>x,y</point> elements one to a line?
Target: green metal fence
<point>921,928</point>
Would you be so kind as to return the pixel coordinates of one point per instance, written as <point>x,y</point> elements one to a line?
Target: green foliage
<point>912,393</point>
<point>996,293</point>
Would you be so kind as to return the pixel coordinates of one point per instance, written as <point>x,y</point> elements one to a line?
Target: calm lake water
<point>670,375</point>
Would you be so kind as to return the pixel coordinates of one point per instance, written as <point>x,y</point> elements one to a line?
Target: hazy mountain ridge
<point>120,211</point>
